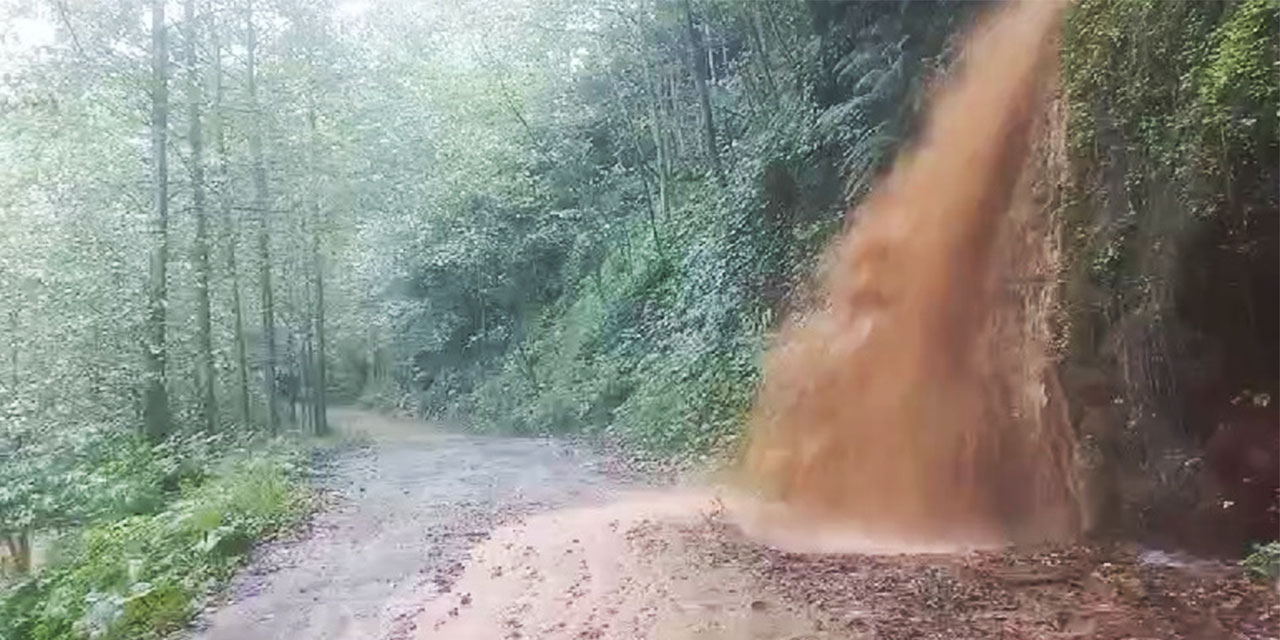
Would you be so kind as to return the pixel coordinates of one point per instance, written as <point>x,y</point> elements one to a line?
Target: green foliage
<point>1167,77</point>
<point>1172,123</point>
<point>593,272</point>
<point>140,576</point>
<point>1237,84</point>
<point>1170,225</point>
<point>1172,108</point>
<point>1264,561</point>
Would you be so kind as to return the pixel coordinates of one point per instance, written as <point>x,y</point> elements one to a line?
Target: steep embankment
<point>1170,314</point>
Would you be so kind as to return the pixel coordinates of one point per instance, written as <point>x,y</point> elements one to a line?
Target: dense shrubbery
<point>177,520</point>
<point>666,246</point>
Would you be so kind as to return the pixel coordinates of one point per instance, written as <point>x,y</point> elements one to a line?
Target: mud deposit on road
<point>636,568</point>
<point>406,507</point>
<point>672,565</point>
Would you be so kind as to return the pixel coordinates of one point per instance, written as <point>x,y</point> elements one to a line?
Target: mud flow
<point>892,413</point>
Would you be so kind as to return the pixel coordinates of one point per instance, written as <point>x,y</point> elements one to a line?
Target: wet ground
<point>674,566</point>
<point>406,506</point>
<point>437,535</point>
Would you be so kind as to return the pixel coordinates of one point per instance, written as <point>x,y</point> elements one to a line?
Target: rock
<point>1095,584</point>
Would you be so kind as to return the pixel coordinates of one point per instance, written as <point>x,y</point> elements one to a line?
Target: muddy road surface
<point>455,537</point>
<point>407,505</point>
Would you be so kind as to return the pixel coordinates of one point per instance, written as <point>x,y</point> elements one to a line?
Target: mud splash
<point>893,417</point>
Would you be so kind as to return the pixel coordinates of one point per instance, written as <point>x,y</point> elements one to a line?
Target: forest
<point>221,218</point>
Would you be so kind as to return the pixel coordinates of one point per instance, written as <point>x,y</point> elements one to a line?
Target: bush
<point>1264,561</point>
<point>139,576</point>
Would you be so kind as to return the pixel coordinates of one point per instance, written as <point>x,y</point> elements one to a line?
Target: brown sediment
<point>648,566</point>
<point>898,410</point>
<point>668,565</point>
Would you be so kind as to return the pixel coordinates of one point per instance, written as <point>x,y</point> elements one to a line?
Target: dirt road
<point>437,535</point>
<point>407,508</point>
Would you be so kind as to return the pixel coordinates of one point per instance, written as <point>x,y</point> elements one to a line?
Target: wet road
<point>408,507</point>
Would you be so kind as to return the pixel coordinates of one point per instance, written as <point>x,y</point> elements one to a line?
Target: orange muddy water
<point>675,565</point>
<point>889,415</point>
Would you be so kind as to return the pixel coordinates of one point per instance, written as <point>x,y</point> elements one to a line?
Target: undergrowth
<point>1264,561</point>
<point>658,346</point>
<point>142,575</point>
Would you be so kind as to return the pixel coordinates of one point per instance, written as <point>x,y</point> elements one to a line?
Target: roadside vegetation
<point>165,527</point>
<point>162,307</point>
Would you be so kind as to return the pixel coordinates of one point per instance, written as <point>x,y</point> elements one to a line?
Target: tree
<point>697,55</point>
<point>320,382</point>
<point>230,225</point>
<point>200,254</point>
<point>262,209</point>
<point>156,416</point>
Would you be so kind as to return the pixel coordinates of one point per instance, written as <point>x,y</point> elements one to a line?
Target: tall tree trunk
<point>306,380</point>
<point>319,381</point>
<point>19,548</point>
<point>13,351</point>
<point>673,111</point>
<point>261,205</point>
<point>762,52</point>
<point>793,64</point>
<point>237,312</point>
<point>204,330</point>
<point>635,137</point>
<point>663,159</point>
<point>290,370</point>
<point>155,407</point>
<point>705,34</point>
<point>321,402</point>
<point>231,224</point>
<point>696,56</point>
